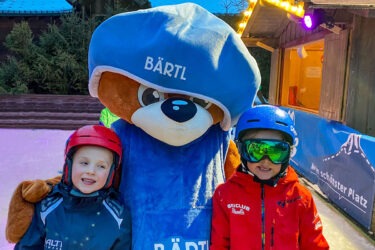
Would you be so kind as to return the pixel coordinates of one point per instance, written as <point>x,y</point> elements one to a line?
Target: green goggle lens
<point>254,150</point>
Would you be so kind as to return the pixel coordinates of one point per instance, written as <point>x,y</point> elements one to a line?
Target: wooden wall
<point>49,111</point>
<point>273,90</point>
<point>360,103</point>
<point>333,75</point>
<point>294,35</point>
<point>348,82</point>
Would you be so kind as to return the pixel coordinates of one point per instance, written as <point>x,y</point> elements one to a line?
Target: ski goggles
<point>254,150</point>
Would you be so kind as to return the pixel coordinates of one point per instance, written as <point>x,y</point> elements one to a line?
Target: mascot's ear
<point>216,113</point>
<point>119,94</point>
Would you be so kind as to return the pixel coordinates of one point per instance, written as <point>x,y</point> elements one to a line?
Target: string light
<point>247,13</point>
<point>246,17</point>
<point>287,5</point>
<point>300,12</point>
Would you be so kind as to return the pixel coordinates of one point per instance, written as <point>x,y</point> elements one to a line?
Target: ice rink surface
<point>27,154</point>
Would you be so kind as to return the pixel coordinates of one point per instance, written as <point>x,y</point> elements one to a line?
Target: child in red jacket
<point>263,206</point>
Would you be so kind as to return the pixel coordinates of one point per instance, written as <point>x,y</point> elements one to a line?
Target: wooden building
<point>94,8</point>
<point>327,71</point>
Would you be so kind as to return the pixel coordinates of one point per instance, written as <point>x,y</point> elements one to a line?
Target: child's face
<point>91,166</point>
<point>264,169</point>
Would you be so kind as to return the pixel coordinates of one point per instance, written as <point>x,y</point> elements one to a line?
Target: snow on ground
<point>27,154</point>
<point>339,233</point>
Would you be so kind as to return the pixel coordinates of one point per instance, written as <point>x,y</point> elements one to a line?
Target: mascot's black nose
<point>179,109</point>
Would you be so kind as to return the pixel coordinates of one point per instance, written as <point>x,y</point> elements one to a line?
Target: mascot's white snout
<point>165,128</point>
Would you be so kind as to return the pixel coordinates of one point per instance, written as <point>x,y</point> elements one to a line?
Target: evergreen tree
<point>15,73</point>
<point>263,58</point>
<point>12,77</point>
<point>56,62</point>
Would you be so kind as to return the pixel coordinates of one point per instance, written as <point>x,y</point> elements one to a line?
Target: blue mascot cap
<point>180,49</point>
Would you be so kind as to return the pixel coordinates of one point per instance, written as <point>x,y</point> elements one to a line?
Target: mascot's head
<point>173,71</point>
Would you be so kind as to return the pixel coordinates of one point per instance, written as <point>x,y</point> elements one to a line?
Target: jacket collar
<point>73,200</point>
<point>245,179</point>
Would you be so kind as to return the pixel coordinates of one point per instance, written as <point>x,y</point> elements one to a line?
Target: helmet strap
<point>112,172</point>
<point>110,177</point>
<point>67,174</point>
<point>67,171</point>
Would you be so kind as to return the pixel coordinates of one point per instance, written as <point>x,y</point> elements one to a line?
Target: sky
<point>214,6</point>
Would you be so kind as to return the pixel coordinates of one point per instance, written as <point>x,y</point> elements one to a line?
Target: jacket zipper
<point>272,232</point>
<point>263,219</point>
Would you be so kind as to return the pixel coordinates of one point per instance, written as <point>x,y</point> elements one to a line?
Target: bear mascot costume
<point>178,77</point>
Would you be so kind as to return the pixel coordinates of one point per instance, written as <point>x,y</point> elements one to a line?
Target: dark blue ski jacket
<point>64,221</point>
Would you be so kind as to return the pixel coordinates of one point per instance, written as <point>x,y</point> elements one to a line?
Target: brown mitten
<point>21,206</point>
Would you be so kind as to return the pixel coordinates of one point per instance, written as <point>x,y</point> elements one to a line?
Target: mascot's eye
<point>147,96</point>
<point>203,103</point>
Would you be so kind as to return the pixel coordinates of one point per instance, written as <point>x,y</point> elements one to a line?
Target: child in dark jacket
<point>82,211</point>
<point>263,206</point>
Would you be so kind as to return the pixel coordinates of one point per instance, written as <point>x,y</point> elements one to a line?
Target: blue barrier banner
<point>339,159</point>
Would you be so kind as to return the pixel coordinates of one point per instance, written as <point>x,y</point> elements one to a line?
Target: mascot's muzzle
<point>176,121</point>
<point>179,109</point>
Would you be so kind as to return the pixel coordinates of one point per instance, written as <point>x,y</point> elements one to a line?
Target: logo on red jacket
<point>238,208</point>
<point>284,202</point>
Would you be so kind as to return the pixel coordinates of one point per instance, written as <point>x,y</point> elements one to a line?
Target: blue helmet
<point>266,117</point>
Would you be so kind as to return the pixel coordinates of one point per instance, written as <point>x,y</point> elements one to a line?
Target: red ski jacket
<point>250,215</point>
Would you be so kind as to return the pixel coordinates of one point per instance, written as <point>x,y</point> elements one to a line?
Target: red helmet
<point>94,135</point>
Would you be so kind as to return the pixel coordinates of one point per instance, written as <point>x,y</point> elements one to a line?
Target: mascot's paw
<point>232,160</point>
<point>35,191</point>
<point>21,207</point>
